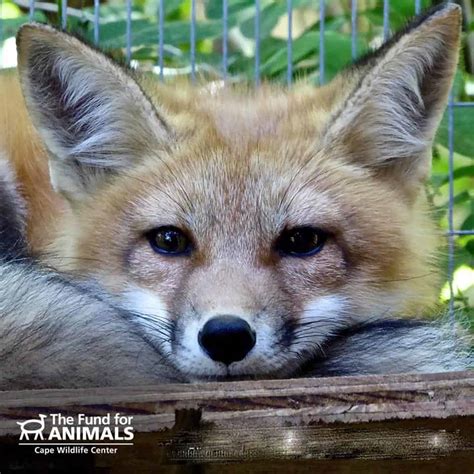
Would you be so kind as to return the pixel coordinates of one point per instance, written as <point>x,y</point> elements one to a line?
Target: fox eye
<point>169,240</point>
<point>301,241</point>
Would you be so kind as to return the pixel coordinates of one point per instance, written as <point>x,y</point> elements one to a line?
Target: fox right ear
<point>91,114</point>
<point>396,97</point>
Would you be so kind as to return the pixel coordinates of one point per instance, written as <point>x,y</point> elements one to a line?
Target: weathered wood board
<point>423,423</point>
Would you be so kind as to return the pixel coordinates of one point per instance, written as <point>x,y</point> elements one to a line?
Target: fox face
<point>242,228</point>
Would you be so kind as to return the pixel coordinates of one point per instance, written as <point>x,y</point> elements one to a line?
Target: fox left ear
<point>90,112</point>
<point>395,99</point>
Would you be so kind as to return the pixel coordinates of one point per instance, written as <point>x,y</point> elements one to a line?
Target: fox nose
<point>227,338</point>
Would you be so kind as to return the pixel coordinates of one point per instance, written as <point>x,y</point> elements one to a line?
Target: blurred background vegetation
<point>273,66</point>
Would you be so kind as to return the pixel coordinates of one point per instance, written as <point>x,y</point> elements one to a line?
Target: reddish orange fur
<point>24,148</point>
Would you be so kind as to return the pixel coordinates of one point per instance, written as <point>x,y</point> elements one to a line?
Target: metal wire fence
<point>64,11</point>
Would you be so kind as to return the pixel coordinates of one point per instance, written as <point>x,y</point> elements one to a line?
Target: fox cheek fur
<point>234,170</point>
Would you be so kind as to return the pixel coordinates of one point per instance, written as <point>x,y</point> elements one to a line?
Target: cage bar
<point>289,42</point>
<point>322,42</point>
<point>1,29</point>
<point>354,28</point>
<point>386,19</point>
<point>161,43</point>
<point>461,232</point>
<point>225,37</point>
<point>63,14</point>
<point>257,42</point>
<point>451,235</point>
<point>128,33</point>
<point>193,40</point>
<point>96,21</point>
<point>417,6</point>
<point>31,9</point>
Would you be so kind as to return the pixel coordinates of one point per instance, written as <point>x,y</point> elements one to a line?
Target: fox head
<point>244,227</point>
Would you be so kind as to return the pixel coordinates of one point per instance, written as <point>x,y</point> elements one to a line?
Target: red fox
<point>233,233</point>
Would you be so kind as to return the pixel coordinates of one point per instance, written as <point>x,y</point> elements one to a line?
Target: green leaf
<point>176,33</point>
<point>338,52</point>
<point>460,198</point>
<point>463,131</point>
<point>171,6</point>
<point>461,172</point>
<point>470,246</point>
<point>270,13</point>
<point>269,17</point>
<point>214,7</point>
<point>307,46</point>
<point>278,61</point>
<point>146,33</point>
<point>468,224</point>
<point>9,26</point>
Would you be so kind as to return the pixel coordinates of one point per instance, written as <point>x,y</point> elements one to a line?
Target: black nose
<point>227,338</point>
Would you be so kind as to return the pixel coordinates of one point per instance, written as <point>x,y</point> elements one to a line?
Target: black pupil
<point>170,240</point>
<point>300,241</point>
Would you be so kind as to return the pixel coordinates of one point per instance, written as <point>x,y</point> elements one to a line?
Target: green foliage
<point>273,65</point>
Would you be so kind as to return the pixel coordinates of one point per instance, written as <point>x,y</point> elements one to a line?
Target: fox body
<point>242,232</point>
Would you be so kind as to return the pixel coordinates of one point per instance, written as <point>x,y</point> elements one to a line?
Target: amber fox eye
<point>169,240</point>
<point>300,241</point>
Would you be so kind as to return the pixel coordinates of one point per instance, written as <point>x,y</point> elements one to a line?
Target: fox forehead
<point>242,116</point>
<point>237,151</point>
<point>206,185</point>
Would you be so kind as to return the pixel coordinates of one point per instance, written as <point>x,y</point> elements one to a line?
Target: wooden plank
<point>430,445</point>
<point>169,393</point>
<point>410,420</point>
<point>345,399</point>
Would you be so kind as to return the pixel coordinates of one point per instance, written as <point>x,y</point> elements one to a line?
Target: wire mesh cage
<point>281,40</point>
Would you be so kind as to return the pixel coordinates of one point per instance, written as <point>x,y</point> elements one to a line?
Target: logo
<point>32,427</point>
<point>56,433</point>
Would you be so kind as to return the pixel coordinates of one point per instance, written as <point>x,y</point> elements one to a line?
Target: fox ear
<point>396,97</point>
<point>91,114</point>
